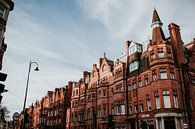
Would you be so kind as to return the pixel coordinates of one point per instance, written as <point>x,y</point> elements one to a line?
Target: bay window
<point>166,98</point>
<point>163,73</point>
<point>120,108</point>
<point>161,53</point>
<point>152,56</point>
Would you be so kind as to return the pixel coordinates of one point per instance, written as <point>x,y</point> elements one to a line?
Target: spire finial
<point>155,16</point>
<point>157,32</point>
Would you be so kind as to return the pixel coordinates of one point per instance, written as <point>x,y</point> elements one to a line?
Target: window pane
<point>130,109</point>
<point>163,74</point>
<point>140,83</point>
<point>161,55</point>
<point>154,77</point>
<point>122,109</point>
<point>157,102</point>
<point>141,107</point>
<point>133,66</point>
<point>175,101</point>
<point>148,104</point>
<point>135,108</point>
<point>172,75</point>
<point>167,103</point>
<point>146,81</point>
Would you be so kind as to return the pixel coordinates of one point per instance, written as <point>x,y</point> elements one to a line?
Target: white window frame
<point>148,101</point>
<point>157,100</point>
<point>163,73</point>
<point>166,99</point>
<point>133,66</point>
<point>141,107</point>
<point>140,83</point>
<point>161,53</point>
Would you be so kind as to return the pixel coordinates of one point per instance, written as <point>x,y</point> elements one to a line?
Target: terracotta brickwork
<point>151,89</point>
<point>50,111</point>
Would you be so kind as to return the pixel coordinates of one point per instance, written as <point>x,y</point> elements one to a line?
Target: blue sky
<point>67,37</point>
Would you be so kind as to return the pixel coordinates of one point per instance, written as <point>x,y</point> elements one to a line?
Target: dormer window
<point>135,47</point>
<point>133,66</point>
<point>161,53</point>
<point>87,79</point>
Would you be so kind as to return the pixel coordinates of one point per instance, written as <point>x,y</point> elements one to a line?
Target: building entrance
<point>169,123</point>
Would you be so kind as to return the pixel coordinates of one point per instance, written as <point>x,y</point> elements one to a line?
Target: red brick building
<point>50,111</point>
<point>152,89</point>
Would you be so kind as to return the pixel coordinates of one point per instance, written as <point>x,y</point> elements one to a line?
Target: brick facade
<point>50,111</point>
<point>151,89</point>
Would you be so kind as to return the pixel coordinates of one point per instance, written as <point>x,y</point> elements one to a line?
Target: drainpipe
<point>186,92</point>
<point>126,79</point>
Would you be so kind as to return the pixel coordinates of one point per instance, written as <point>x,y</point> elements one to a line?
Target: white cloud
<point>130,18</point>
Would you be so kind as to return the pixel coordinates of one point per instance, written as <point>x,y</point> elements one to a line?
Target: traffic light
<point>3,77</point>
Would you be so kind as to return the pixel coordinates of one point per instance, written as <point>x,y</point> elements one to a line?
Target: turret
<point>157,32</point>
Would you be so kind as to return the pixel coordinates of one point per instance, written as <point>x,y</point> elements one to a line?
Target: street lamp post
<point>26,91</point>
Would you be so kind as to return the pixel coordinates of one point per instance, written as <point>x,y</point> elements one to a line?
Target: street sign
<point>16,116</point>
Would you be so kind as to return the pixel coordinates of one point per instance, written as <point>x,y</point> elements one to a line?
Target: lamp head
<point>36,69</point>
